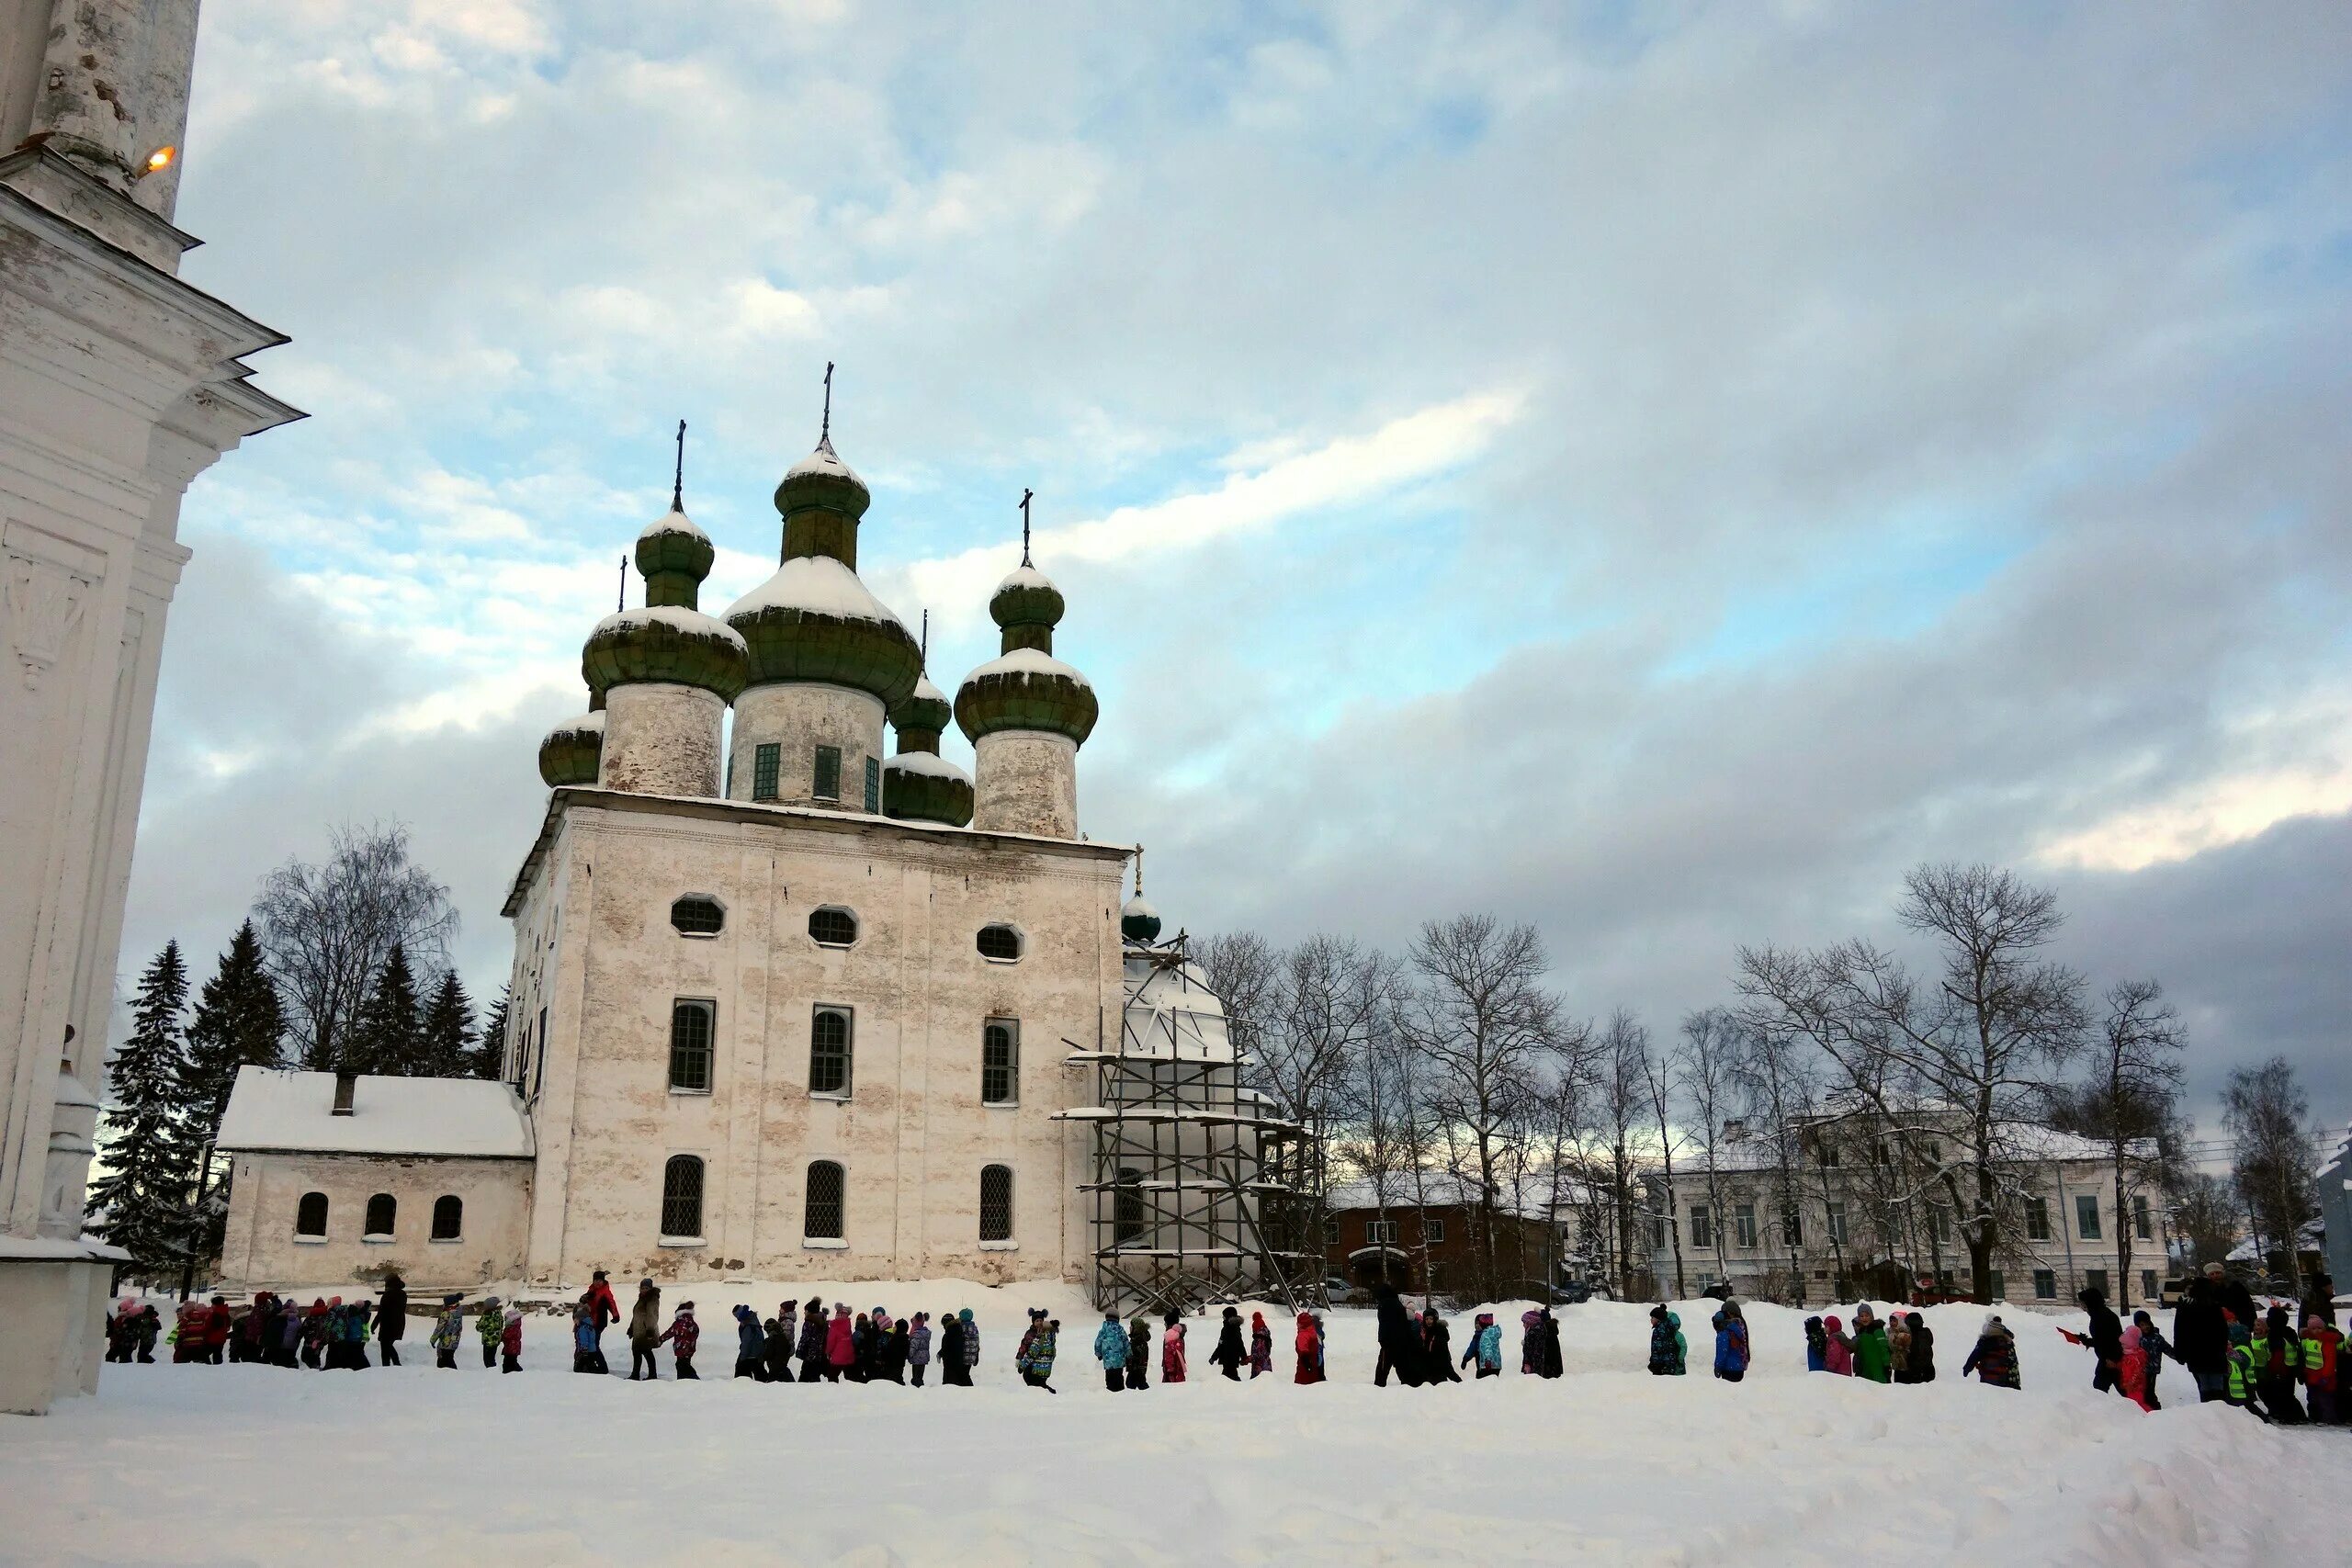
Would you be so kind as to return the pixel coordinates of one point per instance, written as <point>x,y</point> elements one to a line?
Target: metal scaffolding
<point>1198,1193</point>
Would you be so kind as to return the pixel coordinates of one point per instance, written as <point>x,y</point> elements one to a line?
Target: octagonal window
<point>999,943</point>
<point>698,914</point>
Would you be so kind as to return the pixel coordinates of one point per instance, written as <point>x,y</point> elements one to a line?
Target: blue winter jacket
<point>1111,1344</point>
<point>751,1339</point>
<point>1731,1343</point>
<point>1489,1344</point>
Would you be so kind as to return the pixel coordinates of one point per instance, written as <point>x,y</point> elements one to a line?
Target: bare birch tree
<point>326,931</point>
<point>2126,1104</point>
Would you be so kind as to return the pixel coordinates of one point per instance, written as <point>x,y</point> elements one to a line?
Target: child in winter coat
<point>971,1341</point>
<point>896,1351</point>
<point>1669,1352</point>
<point>2322,1352</point>
<point>860,1367</point>
<point>1872,1358</point>
<point>2245,1368</point>
<point>2152,1341</point>
<point>510,1341</point>
<point>1923,1354</point>
<point>2279,1367</point>
<point>448,1329</point>
<point>490,1328</point>
<point>1530,1342</point>
<point>751,1345</point>
<point>1816,1346</point>
<point>1262,1345</point>
<point>811,1347</point>
<point>1898,1347</point>
<point>1139,1353</point>
<point>583,1337</point>
<point>954,1371</point>
<point>683,1335</point>
<point>1995,1357</point>
<point>2134,1372</point>
<point>1731,1343</point>
<point>1229,1355</point>
<point>1171,1349</point>
<point>1110,1349</point>
<point>1486,1347</point>
<point>1836,1347</point>
<point>1036,1362</point>
<point>841,1344</point>
<point>918,1347</point>
<point>776,1351</point>
<point>1310,1345</point>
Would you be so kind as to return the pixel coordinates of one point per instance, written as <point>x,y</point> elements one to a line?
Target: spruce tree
<point>238,1023</point>
<point>488,1058</point>
<point>144,1200</point>
<point>448,1030</point>
<point>388,1036</point>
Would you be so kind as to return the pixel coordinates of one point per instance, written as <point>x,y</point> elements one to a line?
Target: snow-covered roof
<point>929,763</point>
<point>1435,1190</point>
<point>473,1118</point>
<point>673,522</point>
<point>818,585</point>
<point>1028,662</point>
<point>677,617</point>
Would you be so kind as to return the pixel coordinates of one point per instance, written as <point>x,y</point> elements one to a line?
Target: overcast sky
<point>1656,471</point>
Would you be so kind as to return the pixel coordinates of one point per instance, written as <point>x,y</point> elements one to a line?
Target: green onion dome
<point>1025,604</point>
<point>821,482</point>
<point>572,751</point>
<point>923,787</point>
<point>1139,922</point>
<point>1026,688</point>
<point>675,556</point>
<point>815,621</point>
<point>665,642</point>
<point>919,785</point>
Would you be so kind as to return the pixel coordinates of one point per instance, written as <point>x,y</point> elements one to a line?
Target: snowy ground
<point>233,1464</point>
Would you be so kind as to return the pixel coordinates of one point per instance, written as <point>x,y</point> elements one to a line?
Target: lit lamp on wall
<point>157,162</point>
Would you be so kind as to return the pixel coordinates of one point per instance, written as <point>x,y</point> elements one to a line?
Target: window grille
<point>996,1202</point>
<point>690,1047</point>
<point>822,1214</point>
<point>829,1052</point>
<point>682,1198</point>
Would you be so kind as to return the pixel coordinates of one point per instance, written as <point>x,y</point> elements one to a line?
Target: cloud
<point>1341,472</point>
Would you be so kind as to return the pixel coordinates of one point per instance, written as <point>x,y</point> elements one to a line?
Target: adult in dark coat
<point>1402,1348</point>
<point>954,1368</point>
<point>2106,1338</point>
<point>2199,1339</point>
<point>2319,1298</point>
<point>391,1320</point>
<point>1547,1329</point>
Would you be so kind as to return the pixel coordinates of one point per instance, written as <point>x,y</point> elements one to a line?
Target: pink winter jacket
<point>839,1349</point>
<point>1838,1355</point>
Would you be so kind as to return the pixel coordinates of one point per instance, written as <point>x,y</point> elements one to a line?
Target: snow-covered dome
<point>815,621</point>
<point>1027,597</point>
<point>665,642</point>
<point>676,556</point>
<point>1026,688</point>
<point>1139,922</point>
<point>570,753</point>
<point>822,481</point>
<point>923,787</point>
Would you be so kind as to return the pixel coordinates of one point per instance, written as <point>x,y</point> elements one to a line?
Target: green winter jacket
<point>491,1326</point>
<point>1874,1358</point>
<point>449,1329</point>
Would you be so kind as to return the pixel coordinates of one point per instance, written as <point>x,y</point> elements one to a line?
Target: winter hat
<point>840,1309</point>
<point>1836,1324</point>
<point>966,1315</point>
<point>686,1306</point>
<point>1658,1311</point>
<point>816,1304</point>
<point>1110,1314</point>
<point>922,1317</point>
<point>514,1314</point>
<point>451,1301</point>
<point>599,1274</point>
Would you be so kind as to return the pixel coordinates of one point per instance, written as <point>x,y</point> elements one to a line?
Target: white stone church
<point>810,1012</point>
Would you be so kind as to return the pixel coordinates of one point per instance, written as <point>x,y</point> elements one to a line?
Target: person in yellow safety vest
<point>2240,1364</point>
<point>2278,1368</point>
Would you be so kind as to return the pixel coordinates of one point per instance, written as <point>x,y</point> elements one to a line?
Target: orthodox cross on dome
<point>825,427</point>
<point>925,644</point>
<point>1025,494</point>
<point>678,481</point>
<point>620,599</point>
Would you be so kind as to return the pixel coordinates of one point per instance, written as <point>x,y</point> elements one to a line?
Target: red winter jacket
<point>2319,1369</point>
<point>510,1339</point>
<point>684,1332</point>
<point>840,1348</point>
<point>599,1301</point>
<point>216,1328</point>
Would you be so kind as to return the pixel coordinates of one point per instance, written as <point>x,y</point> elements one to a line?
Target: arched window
<point>833,927</point>
<point>1001,1062</point>
<point>382,1210</point>
<point>830,1044</point>
<point>996,1202</point>
<point>310,1215</point>
<point>822,1216</point>
<point>999,943</point>
<point>696,915</point>
<point>449,1217</point>
<point>682,1198</point>
<point>1126,1206</point>
<point>690,1037</point>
